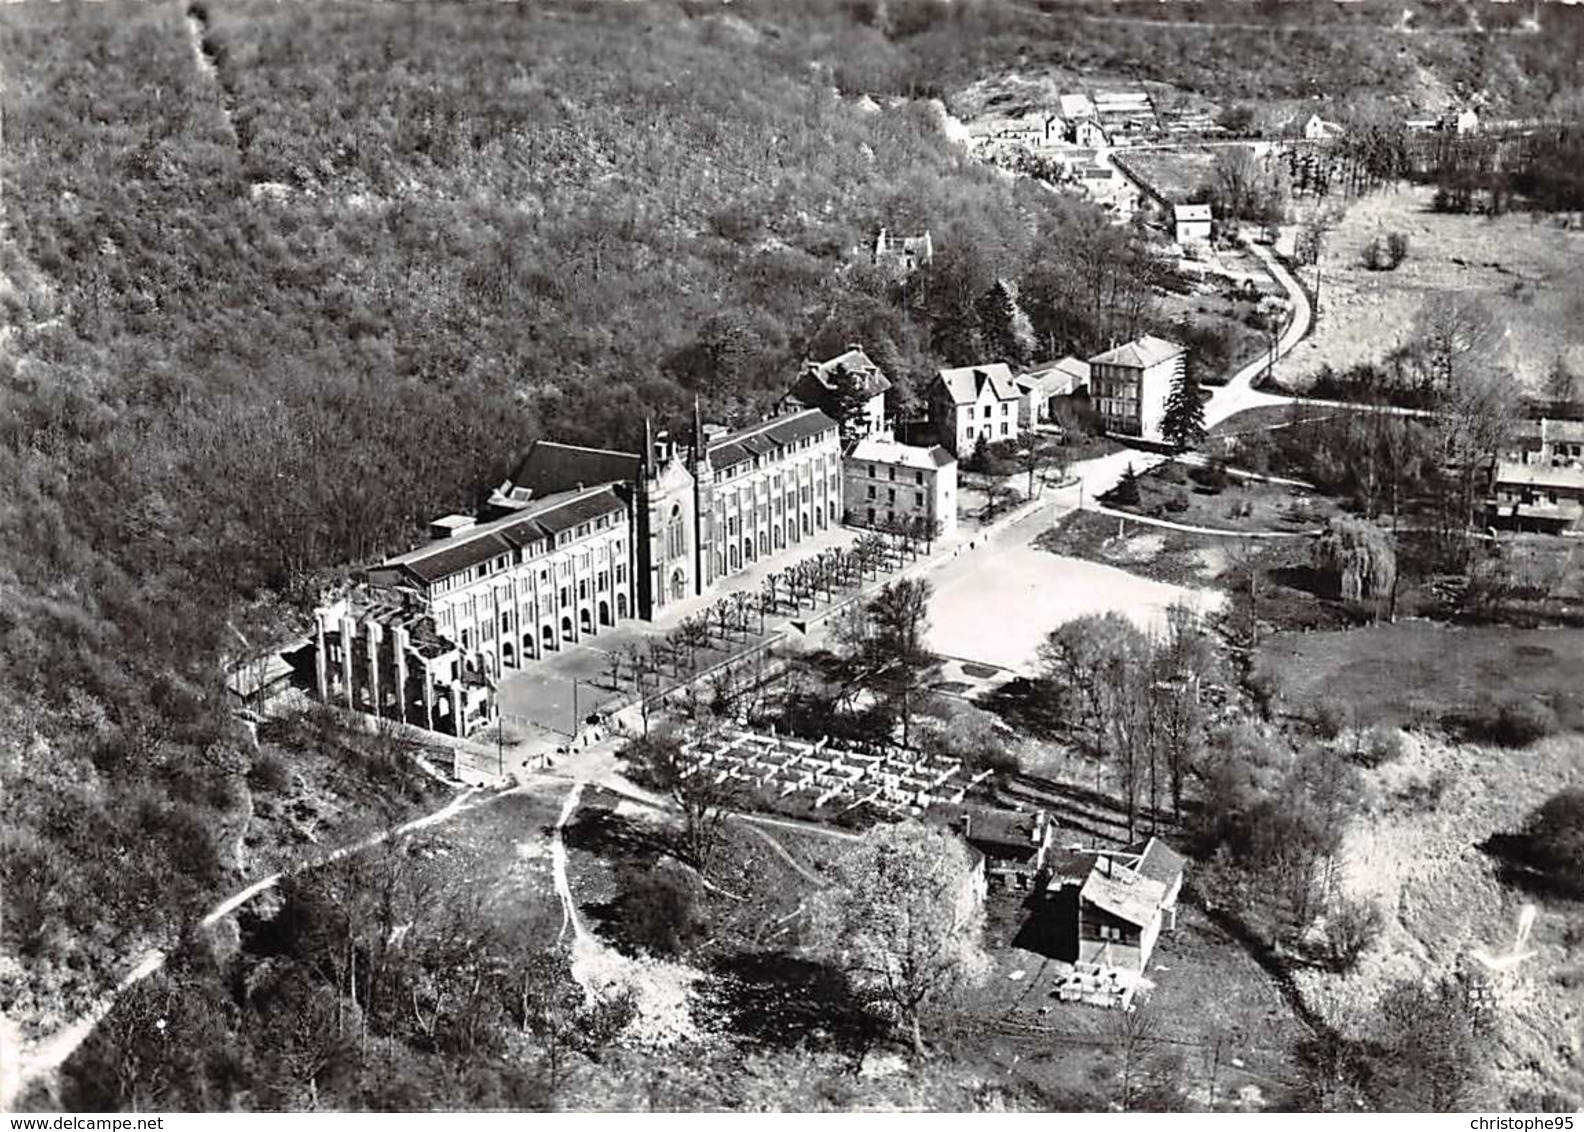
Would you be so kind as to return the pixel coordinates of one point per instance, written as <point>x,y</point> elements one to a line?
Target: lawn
<point>503,846</point>
<point>1264,417</point>
<point>1530,272</point>
<point>1175,557</point>
<point>1417,671</point>
<point>1196,497</point>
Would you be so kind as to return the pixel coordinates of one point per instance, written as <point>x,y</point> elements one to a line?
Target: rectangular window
<point>918,477</point>
<point>918,499</point>
<point>871,515</point>
<point>871,491</point>
<point>582,589</point>
<point>891,474</point>
<point>1003,428</point>
<point>621,573</point>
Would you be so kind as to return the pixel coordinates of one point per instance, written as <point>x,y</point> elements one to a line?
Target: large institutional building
<point>574,541</point>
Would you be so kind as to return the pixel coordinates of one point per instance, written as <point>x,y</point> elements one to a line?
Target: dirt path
<point>1167,524</point>
<point>661,991</point>
<point>209,69</point>
<point>781,851</point>
<point>23,1064</point>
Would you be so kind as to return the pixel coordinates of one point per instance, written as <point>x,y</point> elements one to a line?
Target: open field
<point>1417,671</point>
<point>1175,175</point>
<point>1530,272</point>
<point>503,847</point>
<point>1443,898</point>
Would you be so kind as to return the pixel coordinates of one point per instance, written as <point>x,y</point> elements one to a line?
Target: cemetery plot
<point>831,776</point>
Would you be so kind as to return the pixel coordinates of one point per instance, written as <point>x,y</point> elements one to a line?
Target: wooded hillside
<point>266,319</point>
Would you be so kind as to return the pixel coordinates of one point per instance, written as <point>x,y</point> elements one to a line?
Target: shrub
<point>1508,723</point>
<point>1263,688</point>
<point>1177,502</point>
<point>1552,840</point>
<point>1350,931</point>
<point>1173,472</point>
<point>269,773</point>
<point>1422,795</point>
<point>1379,746</point>
<point>1212,476</point>
<point>1374,255</point>
<point>660,909</point>
<point>1328,719</point>
<point>1396,249</point>
<point>1126,492</point>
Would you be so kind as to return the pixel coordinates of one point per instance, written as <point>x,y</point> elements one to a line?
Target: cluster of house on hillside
<point>1128,386</point>
<point>1099,911</point>
<point>1537,484</point>
<point>1071,141</point>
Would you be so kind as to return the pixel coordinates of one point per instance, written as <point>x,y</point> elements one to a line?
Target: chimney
<point>447,526</point>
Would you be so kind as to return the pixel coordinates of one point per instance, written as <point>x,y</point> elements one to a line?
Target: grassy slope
<point>1443,899</point>
<point>1529,272</point>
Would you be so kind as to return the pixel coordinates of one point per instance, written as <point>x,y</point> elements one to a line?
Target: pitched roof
<point>817,381</point>
<point>538,522</point>
<point>550,468</point>
<point>1162,863</point>
<point>1004,830</point>
<point>1571,431</point>
<point>965,382</point>
<point>1191,212</point>
<point>1056,378</point>
<point>1074,105</point>
<point>1123,892</point>
<point>1509,474</point>
<point>246,679</point>
<point>1141,353</point>
<point>1068,866</point>
<point>881,451</point>
<point>767,436</point>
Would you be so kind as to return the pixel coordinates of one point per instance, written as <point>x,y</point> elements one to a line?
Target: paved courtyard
<point>997,602</point>
<point>539,697</point>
